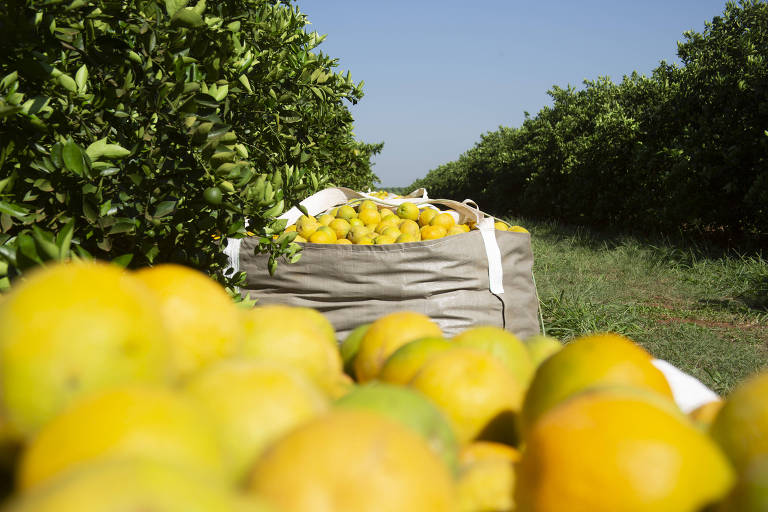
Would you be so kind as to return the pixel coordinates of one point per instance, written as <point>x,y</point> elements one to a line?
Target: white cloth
<point>688,391</point>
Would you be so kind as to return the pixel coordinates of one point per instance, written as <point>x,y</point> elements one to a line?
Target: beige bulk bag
<point>483,277</point>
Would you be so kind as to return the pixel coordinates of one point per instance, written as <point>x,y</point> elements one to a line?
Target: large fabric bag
<point>483,277</point>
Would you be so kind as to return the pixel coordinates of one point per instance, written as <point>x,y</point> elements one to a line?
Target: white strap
<point>492,252</point>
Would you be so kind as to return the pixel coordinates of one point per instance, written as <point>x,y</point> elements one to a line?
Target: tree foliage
<point>144,131</point>
<point>685,147</point>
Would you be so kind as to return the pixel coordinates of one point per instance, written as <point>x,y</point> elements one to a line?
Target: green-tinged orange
<point>387,334</point>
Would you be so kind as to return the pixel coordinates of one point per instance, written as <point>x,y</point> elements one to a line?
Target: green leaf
<point>164,209</point>
<point>122,226</point>
<point>123,260</point>
<point>45,242</point>
<point>67,82</point>
<point>102,149</point>
<point>171,6</point>
<point>81,79</point>
<point>8,80</point>
<point>187,17</point>
<point>14,210</point>
<point>64,239</point>
<point>73,158</point>
<point>28,248</point>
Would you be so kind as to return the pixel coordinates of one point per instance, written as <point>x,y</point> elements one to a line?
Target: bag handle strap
<point>336,196</point>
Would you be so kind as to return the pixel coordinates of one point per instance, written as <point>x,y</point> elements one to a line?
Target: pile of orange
<point>152,389</point>
<point>364,222</point>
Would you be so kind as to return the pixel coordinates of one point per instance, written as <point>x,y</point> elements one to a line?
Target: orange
<point>325,219</point>
<point>391,231</point>
<point>476,391</point>
<point>367,204</point>
<point>341,227</point>
<point>500,226</point>
<point>408,210</point>
<point>203,323</point>
<point>407,360</point>
<point>120,423</point>
<point>346,212</point>
<point>369,216</point>
<point>344,241</point>
<point>323,235</point>
<point>390,222</point>
<point>384,239</point>
<point>455,230</point>
<point>426,216</point>
<point>619,449</point>
<point>251,403</point>
<point>501,344</point>
<point>590,361</point>
<point>432,232</point>
<point>133,484</point>
<point>750,494</point>
<point>405,238</point>
<point>518,229</point>
<point>410,408</point>
<point>741,426</point>
<point>387,334</point>
<point>445,220</point>
<point>306,226</point>
<point>352,461</point>
<point>350,345</point>
<point>540,347</point>
<point>70,329</point>
<point>356,233</point>
<point>487,477</point>
<point>705,414</point>
<point>409,227</point>
<point>286,335</point>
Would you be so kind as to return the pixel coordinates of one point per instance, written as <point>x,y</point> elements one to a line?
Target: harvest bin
<point>483,277</point>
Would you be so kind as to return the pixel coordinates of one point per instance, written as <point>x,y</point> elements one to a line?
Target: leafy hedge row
<point>686,147</point>
<point>144,131</point>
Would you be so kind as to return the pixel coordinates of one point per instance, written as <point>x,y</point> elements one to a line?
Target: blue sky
<point>439,74</point>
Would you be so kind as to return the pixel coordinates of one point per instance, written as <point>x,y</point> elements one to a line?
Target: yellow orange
<point>73,328</point>
<point>741,425</point>
<point>444,220</point>
<point>619,449</point>
<point>306,226</point>
<point>409,226</point>
<point>477,392</point>
<point>406,361</point>
<point>426,216</point>
<point>125,422</point>
<point>369,216</point>
<point>202,321</point>
<point>350,461</point>
<point>341,227</point>
<point>387,334</point>
<point>408,210</point>
<point>487,477</point>
<point>323,235</point>
<point>432,232</point>
<point>590,361</point>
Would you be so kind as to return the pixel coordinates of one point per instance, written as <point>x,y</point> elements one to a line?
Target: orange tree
<point>144,131</point>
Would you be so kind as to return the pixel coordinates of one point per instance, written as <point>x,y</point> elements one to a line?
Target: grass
<point>703,310</point>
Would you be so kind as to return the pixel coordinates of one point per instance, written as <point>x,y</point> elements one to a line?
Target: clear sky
<point>439,74</point>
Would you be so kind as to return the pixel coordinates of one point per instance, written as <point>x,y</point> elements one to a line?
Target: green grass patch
<point>703,310</point>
